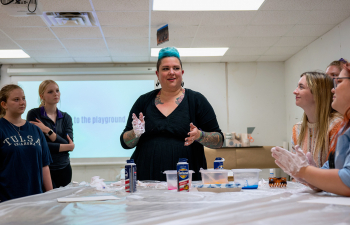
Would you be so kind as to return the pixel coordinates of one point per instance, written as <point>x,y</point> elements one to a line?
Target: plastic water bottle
<point>219,163</point>
<point>130,176</point>
<point>183,177</point>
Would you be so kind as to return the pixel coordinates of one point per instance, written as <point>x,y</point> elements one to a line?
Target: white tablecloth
<point>156,206</point>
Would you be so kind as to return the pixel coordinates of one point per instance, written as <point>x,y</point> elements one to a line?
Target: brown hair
<point>4,95</point>
<point>42,88</point>
<point>336,63</point>
<point>160,62</point>
<point>320,86</point>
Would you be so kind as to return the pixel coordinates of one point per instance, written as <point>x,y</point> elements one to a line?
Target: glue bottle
<point>219,163</point>
<point>130,176</point>
<point>272,179</point>
<point>183,175</point>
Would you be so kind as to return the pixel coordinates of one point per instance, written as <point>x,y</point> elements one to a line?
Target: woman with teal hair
<point>173,122</point>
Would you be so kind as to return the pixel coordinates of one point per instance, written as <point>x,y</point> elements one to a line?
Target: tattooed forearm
<point>179,99</point>
<point>130,139</point>
<point>212,140</point>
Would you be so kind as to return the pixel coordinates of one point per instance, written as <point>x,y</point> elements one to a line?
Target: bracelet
<point>201,136</point>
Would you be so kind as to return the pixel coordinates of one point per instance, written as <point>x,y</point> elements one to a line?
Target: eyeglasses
<point>338,80</point>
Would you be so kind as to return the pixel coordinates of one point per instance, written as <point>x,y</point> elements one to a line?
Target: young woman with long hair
<point>58,128</point>
<point>24,154</point>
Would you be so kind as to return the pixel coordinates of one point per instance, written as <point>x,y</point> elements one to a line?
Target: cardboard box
<point>242,158</point>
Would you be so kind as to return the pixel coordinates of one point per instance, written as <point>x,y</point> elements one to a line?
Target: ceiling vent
<point>69,19</point>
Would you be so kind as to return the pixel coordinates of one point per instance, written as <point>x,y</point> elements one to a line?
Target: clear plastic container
<point>171,178</point>
<point>247,178</point>
<point>212,176</point>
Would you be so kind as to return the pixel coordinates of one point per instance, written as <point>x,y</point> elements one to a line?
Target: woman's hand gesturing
<point>138,124</point>
<point>194,134</point>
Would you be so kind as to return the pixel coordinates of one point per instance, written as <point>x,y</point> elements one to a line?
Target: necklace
<point>19,128</point>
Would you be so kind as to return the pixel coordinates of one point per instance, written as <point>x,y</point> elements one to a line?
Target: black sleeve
<point>31,115</point>
<point>205,115</point>
<point>68,129</point>
<point>136,108</point>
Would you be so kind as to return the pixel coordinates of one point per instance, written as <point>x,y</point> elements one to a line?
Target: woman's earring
<point>182,83</point>
<point>157,84</point>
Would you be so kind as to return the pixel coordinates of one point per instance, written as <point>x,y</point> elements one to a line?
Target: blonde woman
<point>24,154</point>
<point>337,179</point>
<point>58,128</point>
<point>317,131</point>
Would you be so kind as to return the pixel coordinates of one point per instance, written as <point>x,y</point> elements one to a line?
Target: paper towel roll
<point>285,145</point>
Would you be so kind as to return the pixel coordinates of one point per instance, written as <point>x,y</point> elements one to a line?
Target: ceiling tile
<point>220,31</point>
<point>83,43</point>
<point>66,5</point>
<point>274,58</point>
<point>277,17</point>
<point>2,35</point>
<point>89,52</point>
<point>246,51</point>
<point>125,32</point>
<point>54,60</point>
<point>121,5</point>
<point>12,21</point>
<point>8,44</point>
<point>48,53</point>
<point>309,30</point>
<point>77,32</point>
<point>228,18</point>
<point>277,50</point>
<point>333,5</point>
<point>93,59</point>
<point>214,42</point>
<point>239,58</point>
<point>17,61</point>
<point>122,42</point>
<point>256,41</point>
<point>295,41</point>
<point>176,42</point>
<point>200,59</point>
<point>324,17</point>
<point>123,19</point>
<point>18,33</point>
<point>124,59</point>
<point>289,4</point>
<point>40,44</point>
<point>130,51</point>
<point>176,18</point>
<point>235,42</point>
<point>266,31</point>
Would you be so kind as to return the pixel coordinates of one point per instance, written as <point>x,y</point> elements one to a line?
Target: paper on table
<point>330,200</point>
<point>85,199</point>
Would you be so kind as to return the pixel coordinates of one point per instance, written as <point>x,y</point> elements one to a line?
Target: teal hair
<point>168,52</point>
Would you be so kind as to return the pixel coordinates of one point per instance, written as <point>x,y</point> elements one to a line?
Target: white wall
<point>316,56</point>
<point>256,99</point>
<point>252,94</point>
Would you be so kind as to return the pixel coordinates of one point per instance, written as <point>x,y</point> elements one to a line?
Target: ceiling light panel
<point>14,53</point>
<point>186,52</point>
<point>206,5</point>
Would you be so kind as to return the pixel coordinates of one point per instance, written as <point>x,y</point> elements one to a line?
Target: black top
<point>62,127</point>
<point>162,144</point>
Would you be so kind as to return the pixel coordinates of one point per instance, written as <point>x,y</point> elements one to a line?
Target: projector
<point>20,7</point>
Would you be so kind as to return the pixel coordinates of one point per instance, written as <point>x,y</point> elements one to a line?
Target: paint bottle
<point>183,177</point>
<point>130,176</point>
<point>219,163</point>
